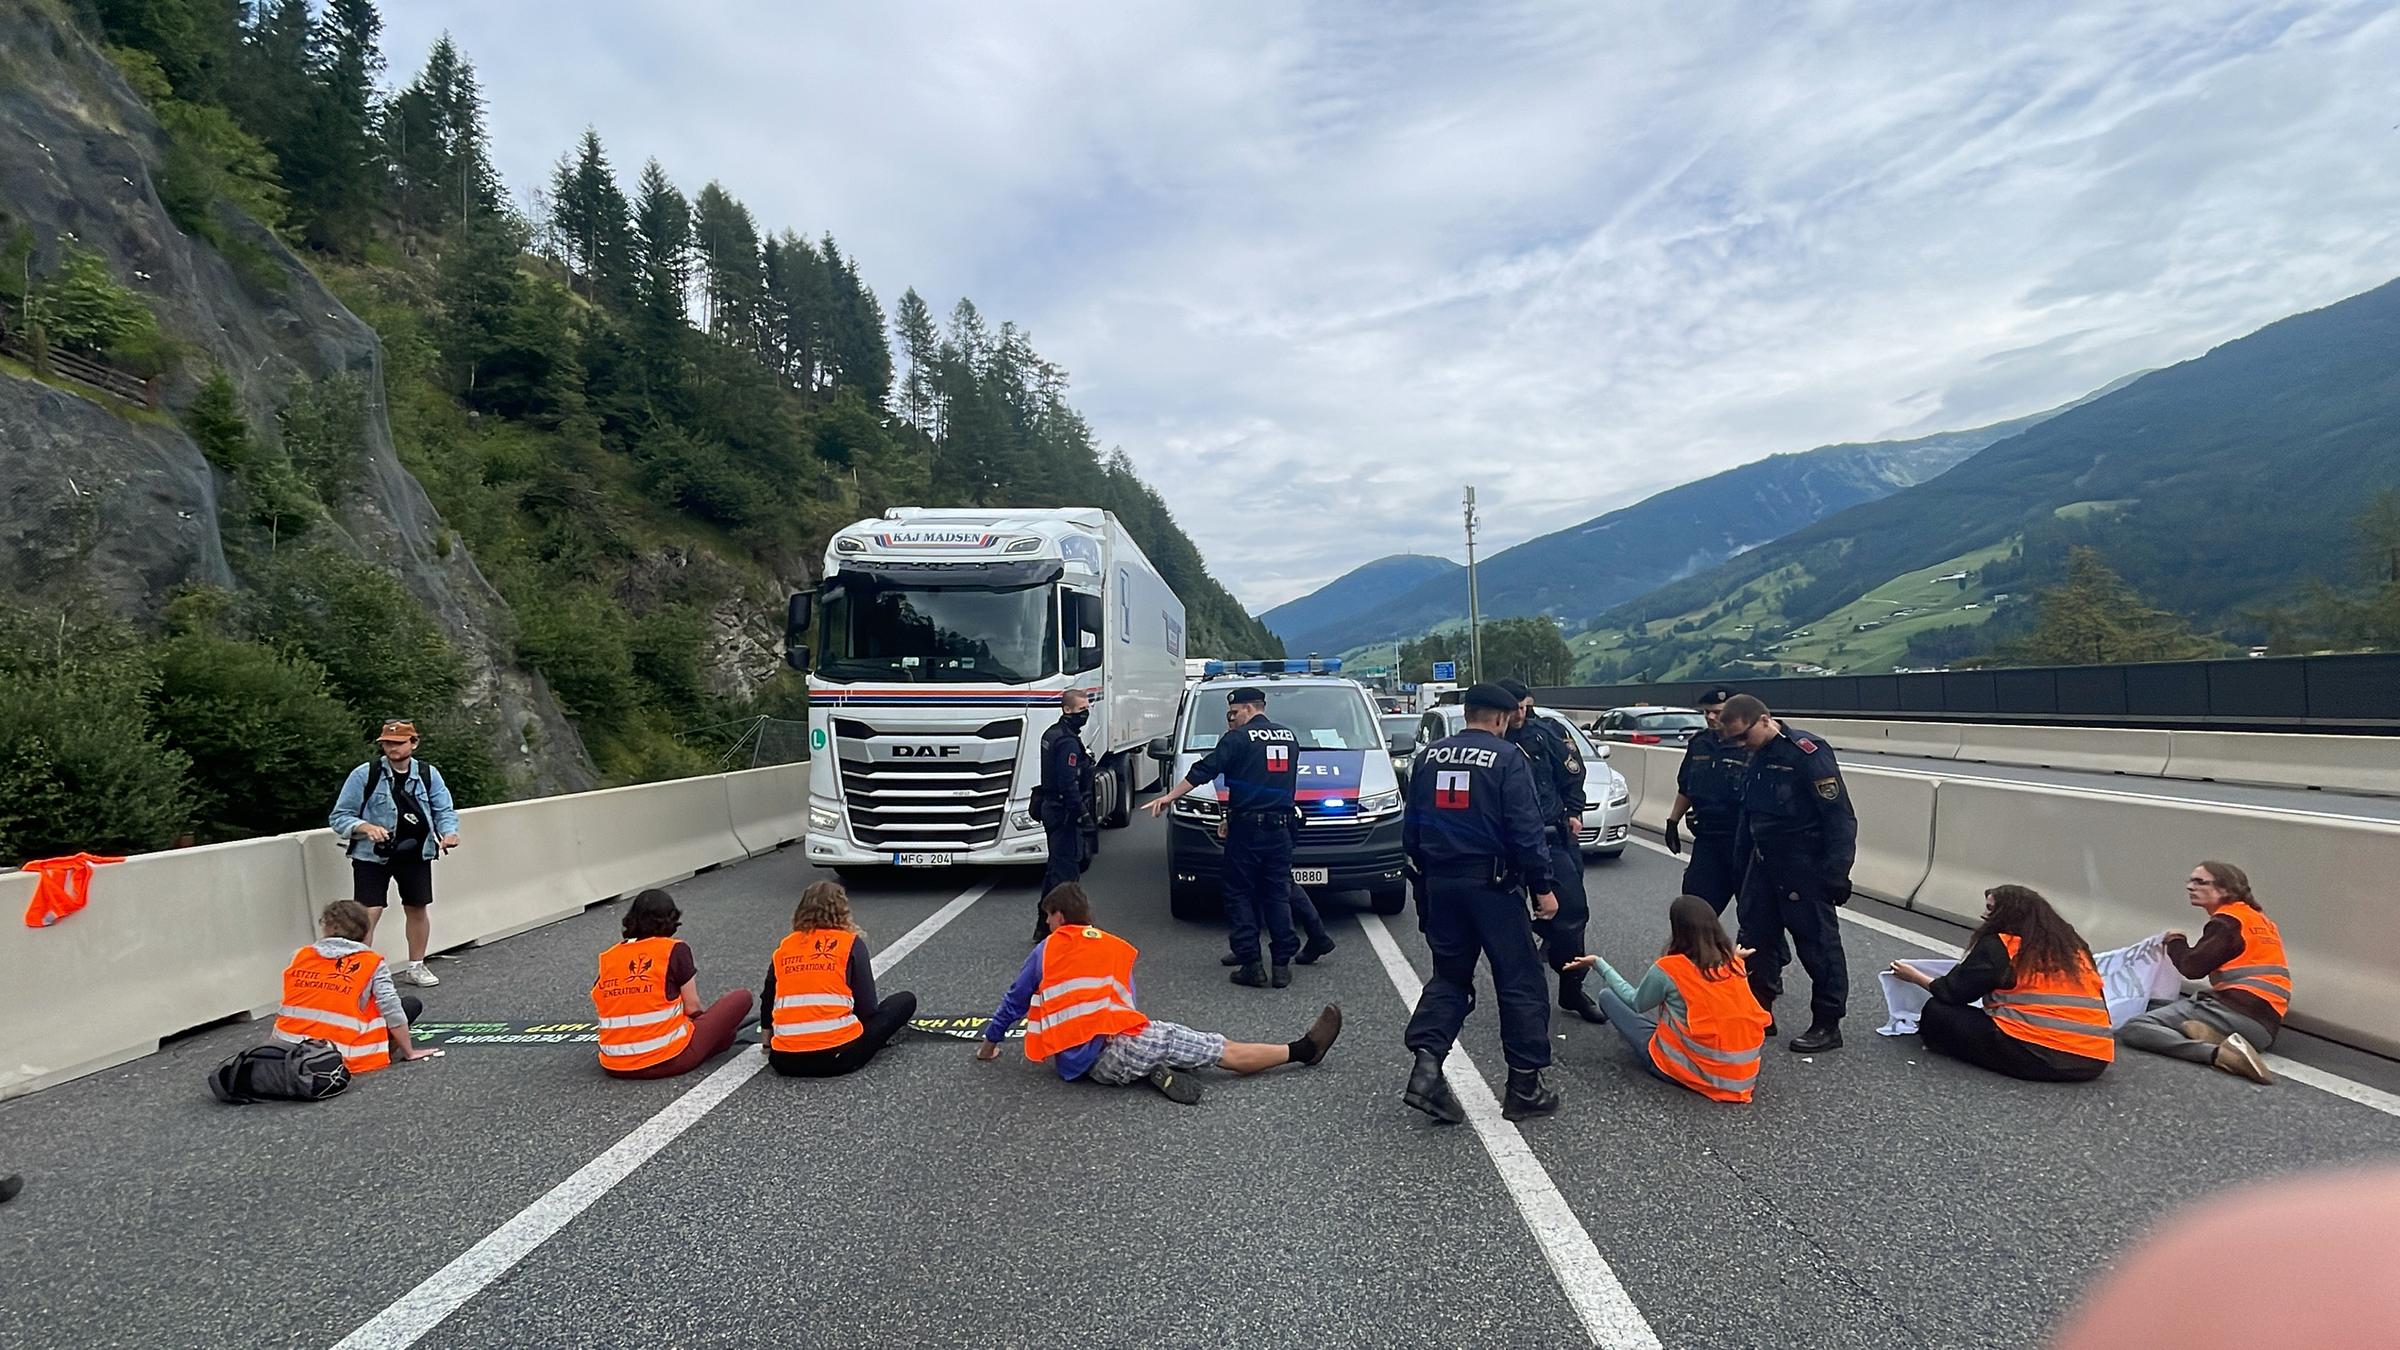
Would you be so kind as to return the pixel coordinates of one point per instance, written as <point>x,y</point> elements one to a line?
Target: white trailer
<point>943,640</point>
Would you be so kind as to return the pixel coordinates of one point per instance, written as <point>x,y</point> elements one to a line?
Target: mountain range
<point>2216,486</point>
<point>1579,571</point>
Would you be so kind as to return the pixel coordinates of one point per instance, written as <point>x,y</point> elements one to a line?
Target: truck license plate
<point>921,860</point>
<point>1309,876</point>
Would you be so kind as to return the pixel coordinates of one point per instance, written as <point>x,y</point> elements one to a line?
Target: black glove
<point>1837,891</point>
<point>1674,838</point>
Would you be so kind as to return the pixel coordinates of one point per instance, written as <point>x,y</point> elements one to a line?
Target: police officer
<point>1708,793</point>
<point>1474,840</point>
<point>1259,762</point>
<point>1558,796</point>
<point>1800,836</point>
<point>1059,800</point>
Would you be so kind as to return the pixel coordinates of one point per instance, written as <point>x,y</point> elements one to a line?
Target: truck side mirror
<point>797,613</point>
<point>795,655</point>
<point>1161,749</point>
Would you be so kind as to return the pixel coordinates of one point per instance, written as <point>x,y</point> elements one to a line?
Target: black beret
<point>1248,693</point>
<point>1490,698</point>
<point>1516,689</point>
<point>1716,695</point>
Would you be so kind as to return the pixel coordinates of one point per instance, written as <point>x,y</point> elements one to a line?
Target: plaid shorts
<point>1129,1057</point>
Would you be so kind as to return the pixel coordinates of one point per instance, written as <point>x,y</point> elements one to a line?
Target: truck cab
<point>1349,804</point>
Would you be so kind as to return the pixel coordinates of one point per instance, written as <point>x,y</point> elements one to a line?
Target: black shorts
<point>371,882</point>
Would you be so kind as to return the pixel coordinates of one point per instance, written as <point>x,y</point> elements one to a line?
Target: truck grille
<point>933,804</point>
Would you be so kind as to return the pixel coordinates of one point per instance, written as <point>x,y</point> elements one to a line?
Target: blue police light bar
<point>1331,665</point>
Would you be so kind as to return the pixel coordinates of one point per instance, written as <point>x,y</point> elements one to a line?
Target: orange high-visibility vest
<point>2262,969</point>
<point>2063,1012</point>
<point>1086,991</point>
<point>1711,1046</point>
<point>332,998</point>
<point>813,1008</point>
<point>64,886</point>
<point>639,1025</point>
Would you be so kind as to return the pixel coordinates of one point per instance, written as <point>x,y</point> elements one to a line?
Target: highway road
<point>508,1195</point>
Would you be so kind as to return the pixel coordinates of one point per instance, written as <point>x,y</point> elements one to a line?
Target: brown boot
<point>2237,1057</point>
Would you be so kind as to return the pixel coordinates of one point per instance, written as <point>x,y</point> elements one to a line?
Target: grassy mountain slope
<point>1582,570</point>
<point>1353,593</point>
<point>2201,483</point>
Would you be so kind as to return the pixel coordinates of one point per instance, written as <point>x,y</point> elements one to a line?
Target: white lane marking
<point>445,1291</point>
<point>1600,1301</point>
<point>2323,1080</point>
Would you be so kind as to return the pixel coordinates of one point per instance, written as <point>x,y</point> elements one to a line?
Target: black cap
<point>1490,698</point>
<point>1716,695</point>
<point>1248,693</point>
<point>1516,689</point>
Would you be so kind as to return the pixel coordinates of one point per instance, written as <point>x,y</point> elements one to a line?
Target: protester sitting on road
<point>651,1021</point>
<point>395,817</point>
<point>338,989</point>
<point>1078,986</point>
<point>2045,1011</point>
<point>2240,954</point>
<point>818,1008</point>
<point>1711,1030</point>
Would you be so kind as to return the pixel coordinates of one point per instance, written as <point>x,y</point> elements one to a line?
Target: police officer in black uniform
<point>1060,799</point>
<point>1800,835</point>
<point>1558,796</point>
<point>1259,762</point>
<point>1708,793</point>
<point>1474,841</point>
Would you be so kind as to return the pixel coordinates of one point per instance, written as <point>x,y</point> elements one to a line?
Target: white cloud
<point>1316,266</point>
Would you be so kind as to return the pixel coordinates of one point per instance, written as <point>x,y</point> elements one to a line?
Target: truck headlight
<point>1379,803</point>
<point>1020,820</point>
<point>824,819</point>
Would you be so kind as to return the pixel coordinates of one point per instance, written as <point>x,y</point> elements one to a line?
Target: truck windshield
<point>1323,716</point>
<point>941,635</point>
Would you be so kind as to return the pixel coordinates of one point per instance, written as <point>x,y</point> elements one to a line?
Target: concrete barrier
<point>2098,749</point>
<point>1634,769</point>
<point>518,866</point>
<point>170,941</point>
<point>2333,763</point>
<point>631,837</point>
<point>1895,830</point>
<point>2114,865</point>
<point>1926,740</point>
<point>1659,765</point>
<point>768,807</point>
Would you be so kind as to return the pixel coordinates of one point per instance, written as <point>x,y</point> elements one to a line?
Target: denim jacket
<point>352,807</point>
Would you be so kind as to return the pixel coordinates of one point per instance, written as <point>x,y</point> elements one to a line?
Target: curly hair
<point>653,914</point>
<point>823,905</point>
<point>2046,943</point>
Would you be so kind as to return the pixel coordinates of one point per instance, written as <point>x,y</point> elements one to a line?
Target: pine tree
<point>593,222</point>
<point>663,241</point>
<point>914,323</point>
<point>2094,618</point>
<point>334,167</point>
<point>730,275</point>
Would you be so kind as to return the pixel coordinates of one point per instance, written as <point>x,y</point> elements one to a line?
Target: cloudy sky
<point>1315,266</point>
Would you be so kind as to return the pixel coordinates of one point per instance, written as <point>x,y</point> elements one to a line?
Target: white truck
<point>942,641</point>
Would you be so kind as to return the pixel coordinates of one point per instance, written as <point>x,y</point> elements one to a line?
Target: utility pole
<point>1474,608</point>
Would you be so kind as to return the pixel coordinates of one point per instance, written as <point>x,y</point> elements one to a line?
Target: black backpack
<point>280,1071</point>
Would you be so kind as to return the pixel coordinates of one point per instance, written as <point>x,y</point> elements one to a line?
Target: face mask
<point>1074,719</point>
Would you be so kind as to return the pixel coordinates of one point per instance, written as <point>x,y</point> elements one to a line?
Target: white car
<point>1608,813</point>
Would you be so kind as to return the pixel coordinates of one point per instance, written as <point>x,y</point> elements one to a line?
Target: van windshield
<point>1323,716</point>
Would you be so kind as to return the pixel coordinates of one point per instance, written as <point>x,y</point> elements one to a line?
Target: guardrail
<point>47,360</point>
<point>2113,864</point>
<point>177,940</point>
<point>2324,693</point>
<point>2366,764</point>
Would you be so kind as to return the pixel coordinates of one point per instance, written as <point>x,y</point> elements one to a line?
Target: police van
<point>1348,795</point>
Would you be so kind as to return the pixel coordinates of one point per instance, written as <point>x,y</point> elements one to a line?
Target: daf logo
<point>924,751</point>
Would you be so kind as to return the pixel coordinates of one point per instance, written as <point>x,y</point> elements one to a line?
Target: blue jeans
<point>1634,1027</point>
<point>1466,918</point>
<point>1258,889</point>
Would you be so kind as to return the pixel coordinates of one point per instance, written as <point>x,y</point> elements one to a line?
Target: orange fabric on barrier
<point>65,886</point>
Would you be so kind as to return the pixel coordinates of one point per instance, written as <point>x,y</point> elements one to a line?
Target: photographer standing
<point>395,816</point>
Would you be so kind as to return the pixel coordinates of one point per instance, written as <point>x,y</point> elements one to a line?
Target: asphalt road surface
<point>508,1195</point>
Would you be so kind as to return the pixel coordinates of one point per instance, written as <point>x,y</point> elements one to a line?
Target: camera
<point>383,847</point>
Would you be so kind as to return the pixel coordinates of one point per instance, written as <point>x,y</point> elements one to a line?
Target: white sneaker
<point>416,974</point>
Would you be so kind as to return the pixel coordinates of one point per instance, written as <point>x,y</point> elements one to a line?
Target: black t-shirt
<point>415,824</point>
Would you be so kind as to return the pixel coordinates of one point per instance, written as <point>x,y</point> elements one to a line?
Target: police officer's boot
<point>1430,1093</point>
<point>1530,1093</point>
<point>1572,998</point>
<point>1282,975</point>
<point>1252,974</point>
<point>1820,1036</point>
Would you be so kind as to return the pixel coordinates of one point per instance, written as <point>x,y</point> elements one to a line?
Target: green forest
<point>631,403</point>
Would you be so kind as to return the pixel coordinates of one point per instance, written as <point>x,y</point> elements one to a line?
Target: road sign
<point>1445,670</point>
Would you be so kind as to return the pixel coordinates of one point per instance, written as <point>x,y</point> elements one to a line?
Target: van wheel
<point>1388,900</point>
<point>1195,901</point>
